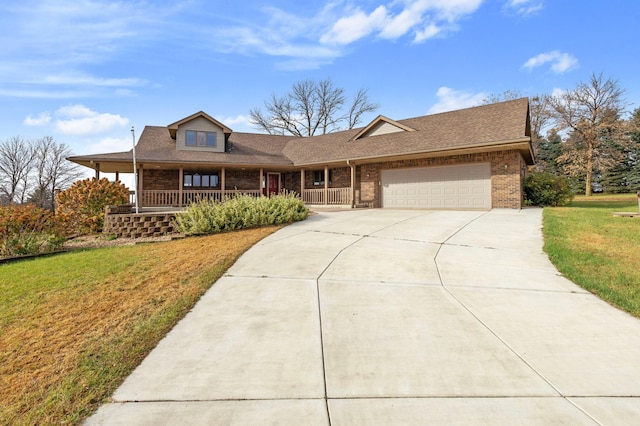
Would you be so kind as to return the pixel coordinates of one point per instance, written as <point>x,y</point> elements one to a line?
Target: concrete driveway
<point>392,317</point>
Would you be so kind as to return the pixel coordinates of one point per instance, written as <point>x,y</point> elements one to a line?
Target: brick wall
<point>340,178</point>
<point>242,179</point>
<point>506,182</point>
<point>291,181</point>
<point>160,180</point>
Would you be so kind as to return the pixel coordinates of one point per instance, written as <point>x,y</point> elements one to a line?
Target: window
<point>200,180</point>
<point>200,139</point>
<point>318,177</point>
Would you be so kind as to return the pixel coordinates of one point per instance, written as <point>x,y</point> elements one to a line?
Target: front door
<point>273,183</point>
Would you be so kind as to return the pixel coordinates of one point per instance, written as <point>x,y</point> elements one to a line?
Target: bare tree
<point>507,95</point>
<point>311,108</point>
<point>16,160</point>
<point>592,114</point>
<point>52,170</point>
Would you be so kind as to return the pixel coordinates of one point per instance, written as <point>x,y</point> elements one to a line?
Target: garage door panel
<point>465,186</point>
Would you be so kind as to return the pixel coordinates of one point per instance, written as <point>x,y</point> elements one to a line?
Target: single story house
<point>473,158</point>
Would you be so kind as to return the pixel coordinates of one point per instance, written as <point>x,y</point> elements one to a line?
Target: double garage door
<point>466,186</point>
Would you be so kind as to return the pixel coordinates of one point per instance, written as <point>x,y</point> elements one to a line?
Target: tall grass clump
<point>240,212</point>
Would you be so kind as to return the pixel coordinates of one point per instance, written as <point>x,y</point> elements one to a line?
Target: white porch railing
<point>333,196</point>
<point>171,198</point>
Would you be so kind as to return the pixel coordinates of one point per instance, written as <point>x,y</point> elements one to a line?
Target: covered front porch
<point>168,186</point>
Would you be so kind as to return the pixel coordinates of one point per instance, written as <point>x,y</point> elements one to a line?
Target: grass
<point>74,326</point>
<point>596,250</point>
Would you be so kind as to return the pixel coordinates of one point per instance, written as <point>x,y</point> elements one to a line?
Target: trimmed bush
<point>546,189</point>
<point>28,229</point>
<point>240,212</point>
<point>81,207</point>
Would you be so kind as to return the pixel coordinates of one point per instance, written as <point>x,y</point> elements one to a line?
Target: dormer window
<point>200,139</point>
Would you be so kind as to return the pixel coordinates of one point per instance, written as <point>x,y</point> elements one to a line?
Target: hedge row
<point>243,211</point>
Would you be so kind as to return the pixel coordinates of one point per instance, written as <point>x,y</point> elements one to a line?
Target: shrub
<point>240,212</point>
<point>81,207</point>
<point>546,189</point>
<point>28,229</point>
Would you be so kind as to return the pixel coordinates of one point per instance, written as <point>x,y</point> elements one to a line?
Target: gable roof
<point>379,120</point>
<point>173,127</point>
<point>493,127</point>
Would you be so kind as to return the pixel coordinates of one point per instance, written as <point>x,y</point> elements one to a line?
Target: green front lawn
<point>73,326</point>
<point>596,250</point>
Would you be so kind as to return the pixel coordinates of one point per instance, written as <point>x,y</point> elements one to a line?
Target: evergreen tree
<point>549,149</point>
<point>625,175</point>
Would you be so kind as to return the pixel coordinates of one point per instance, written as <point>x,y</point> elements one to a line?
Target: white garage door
<point>465,186</point>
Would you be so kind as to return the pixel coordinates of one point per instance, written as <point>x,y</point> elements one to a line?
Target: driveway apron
<point>380,317</point>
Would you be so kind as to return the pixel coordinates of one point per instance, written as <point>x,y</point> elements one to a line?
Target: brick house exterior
<point>471,158</point>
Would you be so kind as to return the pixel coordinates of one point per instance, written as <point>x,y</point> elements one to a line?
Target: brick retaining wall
<point>141,225</point>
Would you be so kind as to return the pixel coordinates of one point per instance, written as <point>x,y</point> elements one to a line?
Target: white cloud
<point>560,62</point>
<point>110,144</point>
<point>450,100</point>
<point>524,7</point>
<point>82,79</point>
<point>306,42</point>
<point>430,31</point>
<point>41,120</point>
<point>239,123</point>
<point>351,28</point>
<point>423,18</point>
<point>79,120</point>
<point>398,25</point>
<point>47,43</point>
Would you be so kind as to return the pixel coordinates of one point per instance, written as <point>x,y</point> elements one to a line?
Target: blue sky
<point>85,71</point>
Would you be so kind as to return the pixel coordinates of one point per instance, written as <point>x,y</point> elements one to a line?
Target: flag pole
<point>135,169</point>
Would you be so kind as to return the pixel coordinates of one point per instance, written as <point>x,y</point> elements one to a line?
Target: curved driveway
<point>380,317</point>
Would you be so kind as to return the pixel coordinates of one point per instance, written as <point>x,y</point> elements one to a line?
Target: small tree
<point>16,160</point>
<point>81,207</point>
<point>52,170</point>
<point>311,108</point>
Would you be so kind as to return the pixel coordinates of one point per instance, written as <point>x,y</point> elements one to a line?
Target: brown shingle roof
<point>487,126</point>
<point>478,126</point>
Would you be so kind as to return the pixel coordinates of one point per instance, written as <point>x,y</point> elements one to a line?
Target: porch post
<point>302,185</point>
<point>97,170</point>
<point>353,184</point>
<point>326,185</point>
<point>261,179</point>
<point>117,176</point>
<point>180,186</point>
<point>140,183</point>
<point>223,181</point>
